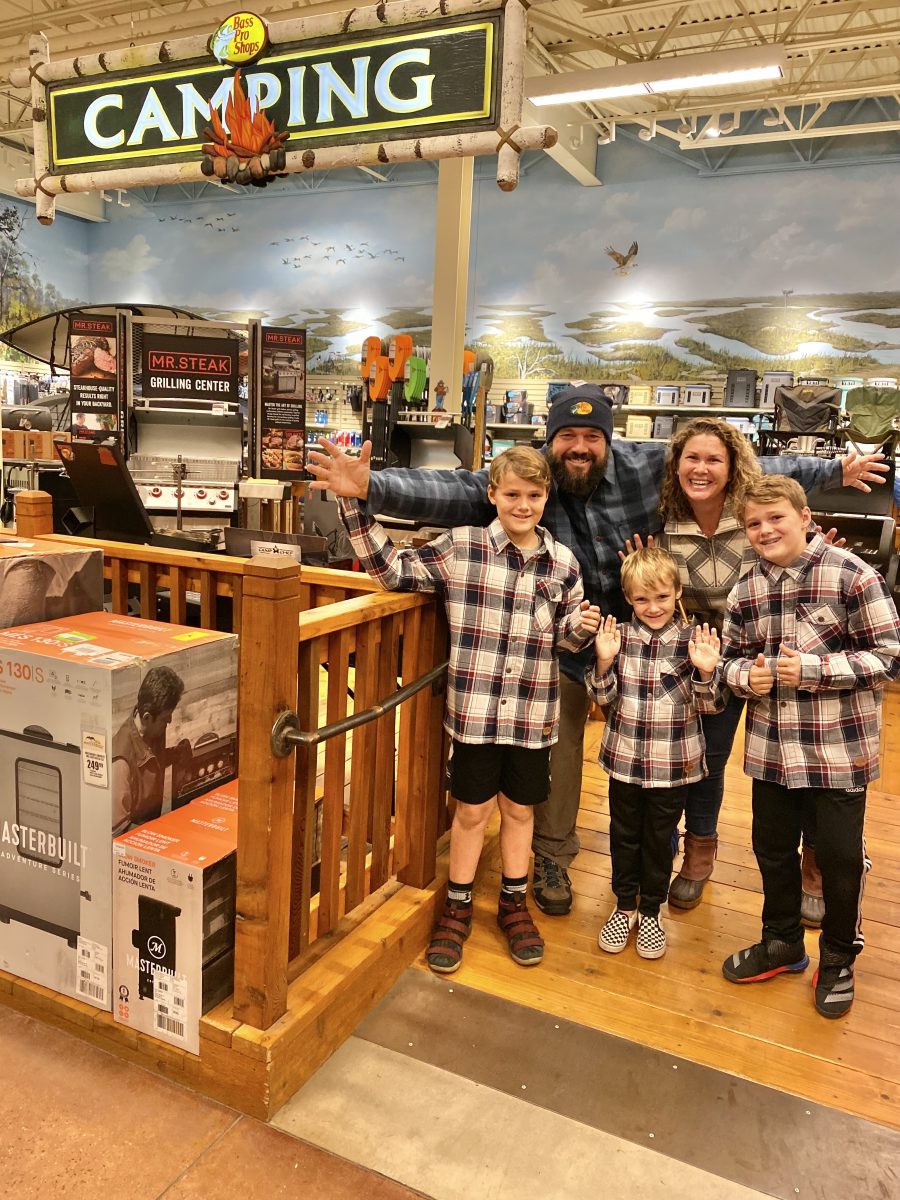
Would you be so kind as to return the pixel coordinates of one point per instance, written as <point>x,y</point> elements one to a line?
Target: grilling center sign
<point>382,84</point>
<point>190,368</point>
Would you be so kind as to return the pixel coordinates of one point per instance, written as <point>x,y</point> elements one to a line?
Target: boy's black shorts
<point>479,772</point>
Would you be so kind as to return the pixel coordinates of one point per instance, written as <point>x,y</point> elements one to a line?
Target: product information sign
<point>93,362</point>
<point>283,416</point>
<point>189,368</point>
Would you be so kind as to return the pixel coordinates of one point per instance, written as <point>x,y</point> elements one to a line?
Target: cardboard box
<point>44,581</point>
<point>13,443</point>
<point>39,444</point>
<point>173,918</point>
<point>105,723</point>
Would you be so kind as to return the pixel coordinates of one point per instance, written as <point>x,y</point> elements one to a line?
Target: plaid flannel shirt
<point>625,502</point>
<point>653,736</point>
<point>508,612</point>
<point>836,610</point>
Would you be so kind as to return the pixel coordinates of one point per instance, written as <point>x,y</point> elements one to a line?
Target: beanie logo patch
<point>581,408</point>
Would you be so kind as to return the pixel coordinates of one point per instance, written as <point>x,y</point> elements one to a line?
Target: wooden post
<point>268,685</point>
<point>34,514</point>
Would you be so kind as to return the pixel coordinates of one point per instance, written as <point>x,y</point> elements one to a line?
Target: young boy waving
<point>514,598</point>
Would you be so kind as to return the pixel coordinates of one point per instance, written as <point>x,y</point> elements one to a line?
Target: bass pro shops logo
<point>240,39</point>
<point>581,408</point>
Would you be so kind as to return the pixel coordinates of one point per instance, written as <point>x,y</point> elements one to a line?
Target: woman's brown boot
<point>812,902</point>
<point>686,889</point>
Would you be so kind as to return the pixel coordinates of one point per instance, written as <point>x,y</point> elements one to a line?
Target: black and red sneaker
<point>765,960</point>
<point>833,987</point>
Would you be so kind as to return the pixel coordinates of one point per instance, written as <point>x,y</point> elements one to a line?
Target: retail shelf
<point>697,408</point>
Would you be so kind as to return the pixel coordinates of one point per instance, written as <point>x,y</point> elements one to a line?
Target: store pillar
<point>451,276</point>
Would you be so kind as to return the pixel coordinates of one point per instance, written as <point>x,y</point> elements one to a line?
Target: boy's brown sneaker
<point>444,953</point>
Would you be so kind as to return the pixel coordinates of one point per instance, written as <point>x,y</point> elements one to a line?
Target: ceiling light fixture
<point>728,124</point>
<point>771,120</point>
<point>684,72</point>
<point>648,134</point>
<point>686,128</point>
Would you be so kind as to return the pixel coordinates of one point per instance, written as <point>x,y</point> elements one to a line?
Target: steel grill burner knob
<point>201,493</point>
<point>223,495</point>
<point>156,491</point>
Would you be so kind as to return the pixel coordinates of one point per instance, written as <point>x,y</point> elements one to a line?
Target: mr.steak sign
<point>416,79</point>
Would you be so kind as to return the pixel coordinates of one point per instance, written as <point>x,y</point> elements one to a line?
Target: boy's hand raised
<point>703,649</point>
<point>761,678</point>
<point>337,472</point>
<point>607,643</point>
<point>788,666</point>
<point>635,542</point>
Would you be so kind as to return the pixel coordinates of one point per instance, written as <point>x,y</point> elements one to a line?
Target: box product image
<point>105,722</point>
<point>173,918</point>
<point>42,581</point>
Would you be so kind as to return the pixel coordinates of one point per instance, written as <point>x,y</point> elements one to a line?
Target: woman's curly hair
<point>742,465</point>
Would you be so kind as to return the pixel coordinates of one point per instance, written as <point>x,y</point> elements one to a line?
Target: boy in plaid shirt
<point>810,637</point>
<point>658,675</point>
<point>514,598</point>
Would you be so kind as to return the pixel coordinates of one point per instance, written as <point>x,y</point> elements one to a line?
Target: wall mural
<point>666,277</point>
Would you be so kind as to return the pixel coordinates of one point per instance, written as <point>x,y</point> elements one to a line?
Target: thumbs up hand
<point>761,678</point>
<point>788,666</point>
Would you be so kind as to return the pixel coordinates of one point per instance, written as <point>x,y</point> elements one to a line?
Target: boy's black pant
<point>641,824</point>
<point>779,814</point>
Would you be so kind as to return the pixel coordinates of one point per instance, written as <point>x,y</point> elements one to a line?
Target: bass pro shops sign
<point>373,85</point>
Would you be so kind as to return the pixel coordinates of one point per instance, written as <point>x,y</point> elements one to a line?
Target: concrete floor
<point>444,1092</point>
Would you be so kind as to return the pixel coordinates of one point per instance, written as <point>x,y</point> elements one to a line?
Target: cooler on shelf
<point>696,394</point>
<point>667,394</point>
<point>771,382</point>
<point>740,389</point>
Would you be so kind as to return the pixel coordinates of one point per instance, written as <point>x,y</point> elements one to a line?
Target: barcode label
<point>169,1004</point>
<point>170,1025</point>
<point>91,977</point>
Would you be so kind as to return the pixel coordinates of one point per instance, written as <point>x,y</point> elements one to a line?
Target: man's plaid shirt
<point>653,736</point>
<point>625,502</point>
<point>508,611</point>
<point>836,610</point>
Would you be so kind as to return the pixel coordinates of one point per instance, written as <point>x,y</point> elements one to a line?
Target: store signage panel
<point>94,376</point>
<point>190,368</point>
<point>411,81</point>
<point>283,404</point>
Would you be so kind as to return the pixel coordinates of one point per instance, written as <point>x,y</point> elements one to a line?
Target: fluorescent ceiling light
<point>717,69</point>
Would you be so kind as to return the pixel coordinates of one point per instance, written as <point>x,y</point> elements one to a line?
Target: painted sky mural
<point>770,270</point>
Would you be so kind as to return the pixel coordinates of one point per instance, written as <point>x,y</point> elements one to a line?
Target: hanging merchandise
<point>415,379</point>
<point>399,350</point>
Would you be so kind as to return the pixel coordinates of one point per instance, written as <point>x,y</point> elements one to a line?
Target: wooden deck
<point>768,1032</point>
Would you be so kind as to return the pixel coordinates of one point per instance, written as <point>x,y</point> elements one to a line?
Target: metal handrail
<point>287,734</point>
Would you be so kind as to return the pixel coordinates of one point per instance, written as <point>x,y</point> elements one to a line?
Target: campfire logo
<point>247,148</point>
<point>240,39</point>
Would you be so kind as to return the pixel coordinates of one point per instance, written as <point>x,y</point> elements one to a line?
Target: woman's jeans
<point>704,798</point>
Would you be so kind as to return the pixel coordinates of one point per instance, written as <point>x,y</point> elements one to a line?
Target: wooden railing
<point>309,638</point>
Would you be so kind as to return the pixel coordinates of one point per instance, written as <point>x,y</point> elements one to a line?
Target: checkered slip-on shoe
<point>651,937</point>
<point>833,986</point>
<point>765,960</point>
<point>615,933</point>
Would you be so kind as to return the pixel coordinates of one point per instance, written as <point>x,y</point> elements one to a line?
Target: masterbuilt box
<point>106,722</point>
<point>43,580</point>
<point>173,918</point>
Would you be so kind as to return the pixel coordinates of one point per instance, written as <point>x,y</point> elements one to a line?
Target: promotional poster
<point>93,362</point>
<point>283,416</point>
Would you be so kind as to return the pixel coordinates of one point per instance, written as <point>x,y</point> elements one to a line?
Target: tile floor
<point>442,1092</point>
